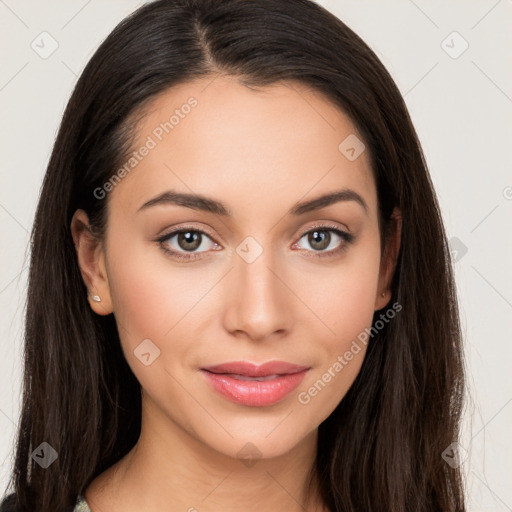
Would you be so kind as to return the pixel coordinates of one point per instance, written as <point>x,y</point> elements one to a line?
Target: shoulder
<point>7,504</point>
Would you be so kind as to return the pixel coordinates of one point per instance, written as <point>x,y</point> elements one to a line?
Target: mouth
<point>251,385</point>
<point>246,369</point>
<point>247,377</point>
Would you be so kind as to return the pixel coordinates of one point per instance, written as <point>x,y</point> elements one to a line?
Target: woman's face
<point>259,273</point>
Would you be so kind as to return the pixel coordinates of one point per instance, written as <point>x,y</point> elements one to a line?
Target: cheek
<point>344,300</point>
<point>343,295</point>
<point>158,300</point>
<point>149,294</point>
<point>350,301</point>
<point>152,306</point>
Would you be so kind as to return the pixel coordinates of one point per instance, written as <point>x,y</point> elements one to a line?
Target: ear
<point>91,260</point>
<point>388,261</point>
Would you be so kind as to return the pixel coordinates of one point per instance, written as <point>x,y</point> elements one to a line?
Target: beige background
<point>460,102</point>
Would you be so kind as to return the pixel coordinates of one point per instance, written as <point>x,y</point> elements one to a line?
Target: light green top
<point>81,505</point>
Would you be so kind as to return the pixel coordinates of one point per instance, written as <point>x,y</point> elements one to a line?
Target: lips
<point>248,384</point>
<point>251,370</point>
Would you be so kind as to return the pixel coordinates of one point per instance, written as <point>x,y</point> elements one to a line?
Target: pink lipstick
<point>257,386</point>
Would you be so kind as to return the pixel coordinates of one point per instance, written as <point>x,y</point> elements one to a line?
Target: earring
<point>383,294</point>
<point>96,298</point>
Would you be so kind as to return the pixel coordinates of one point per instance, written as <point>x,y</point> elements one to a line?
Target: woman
<point>304,351</point>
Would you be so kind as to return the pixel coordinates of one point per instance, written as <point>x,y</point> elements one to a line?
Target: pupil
<point>189,240</point>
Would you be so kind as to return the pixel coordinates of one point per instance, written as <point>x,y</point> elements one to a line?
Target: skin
<point>259,152</point>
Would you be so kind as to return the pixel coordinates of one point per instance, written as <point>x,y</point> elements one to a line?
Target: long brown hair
<point>380,449</point>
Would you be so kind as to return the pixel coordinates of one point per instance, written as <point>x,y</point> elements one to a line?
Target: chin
<point>265,438</point>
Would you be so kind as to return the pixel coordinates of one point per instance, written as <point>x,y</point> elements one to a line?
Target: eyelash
<point>347,239</point>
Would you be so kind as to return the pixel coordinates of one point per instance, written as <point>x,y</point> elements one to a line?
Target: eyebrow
<point>207,204</point>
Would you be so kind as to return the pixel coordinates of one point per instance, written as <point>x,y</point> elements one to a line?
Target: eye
<point>186,240</point>
<point>186,243</point>
<point>321,238</point>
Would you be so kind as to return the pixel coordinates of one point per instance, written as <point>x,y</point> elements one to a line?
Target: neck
<point>169,469</point>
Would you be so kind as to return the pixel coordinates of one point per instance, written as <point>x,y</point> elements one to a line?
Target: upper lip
<point>253,370</point>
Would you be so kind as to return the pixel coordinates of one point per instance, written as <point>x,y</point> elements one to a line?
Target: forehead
<point>270,145</point>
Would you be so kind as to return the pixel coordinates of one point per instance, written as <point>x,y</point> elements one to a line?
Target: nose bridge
<point>259,304</point>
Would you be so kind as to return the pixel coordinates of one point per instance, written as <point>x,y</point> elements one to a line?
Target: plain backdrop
<point>451,61</point>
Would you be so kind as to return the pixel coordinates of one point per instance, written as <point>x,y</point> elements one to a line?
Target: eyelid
<point>317,225</point>
<point>325,225</point>
<point>186,227</point>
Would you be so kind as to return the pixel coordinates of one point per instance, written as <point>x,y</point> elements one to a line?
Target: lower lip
<point>255,393</point>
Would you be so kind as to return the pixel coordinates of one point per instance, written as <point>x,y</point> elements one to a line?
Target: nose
<point>259,302</point>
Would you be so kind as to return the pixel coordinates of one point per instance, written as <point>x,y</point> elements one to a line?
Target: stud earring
<point>383,294</point>
<point>96,298</point>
